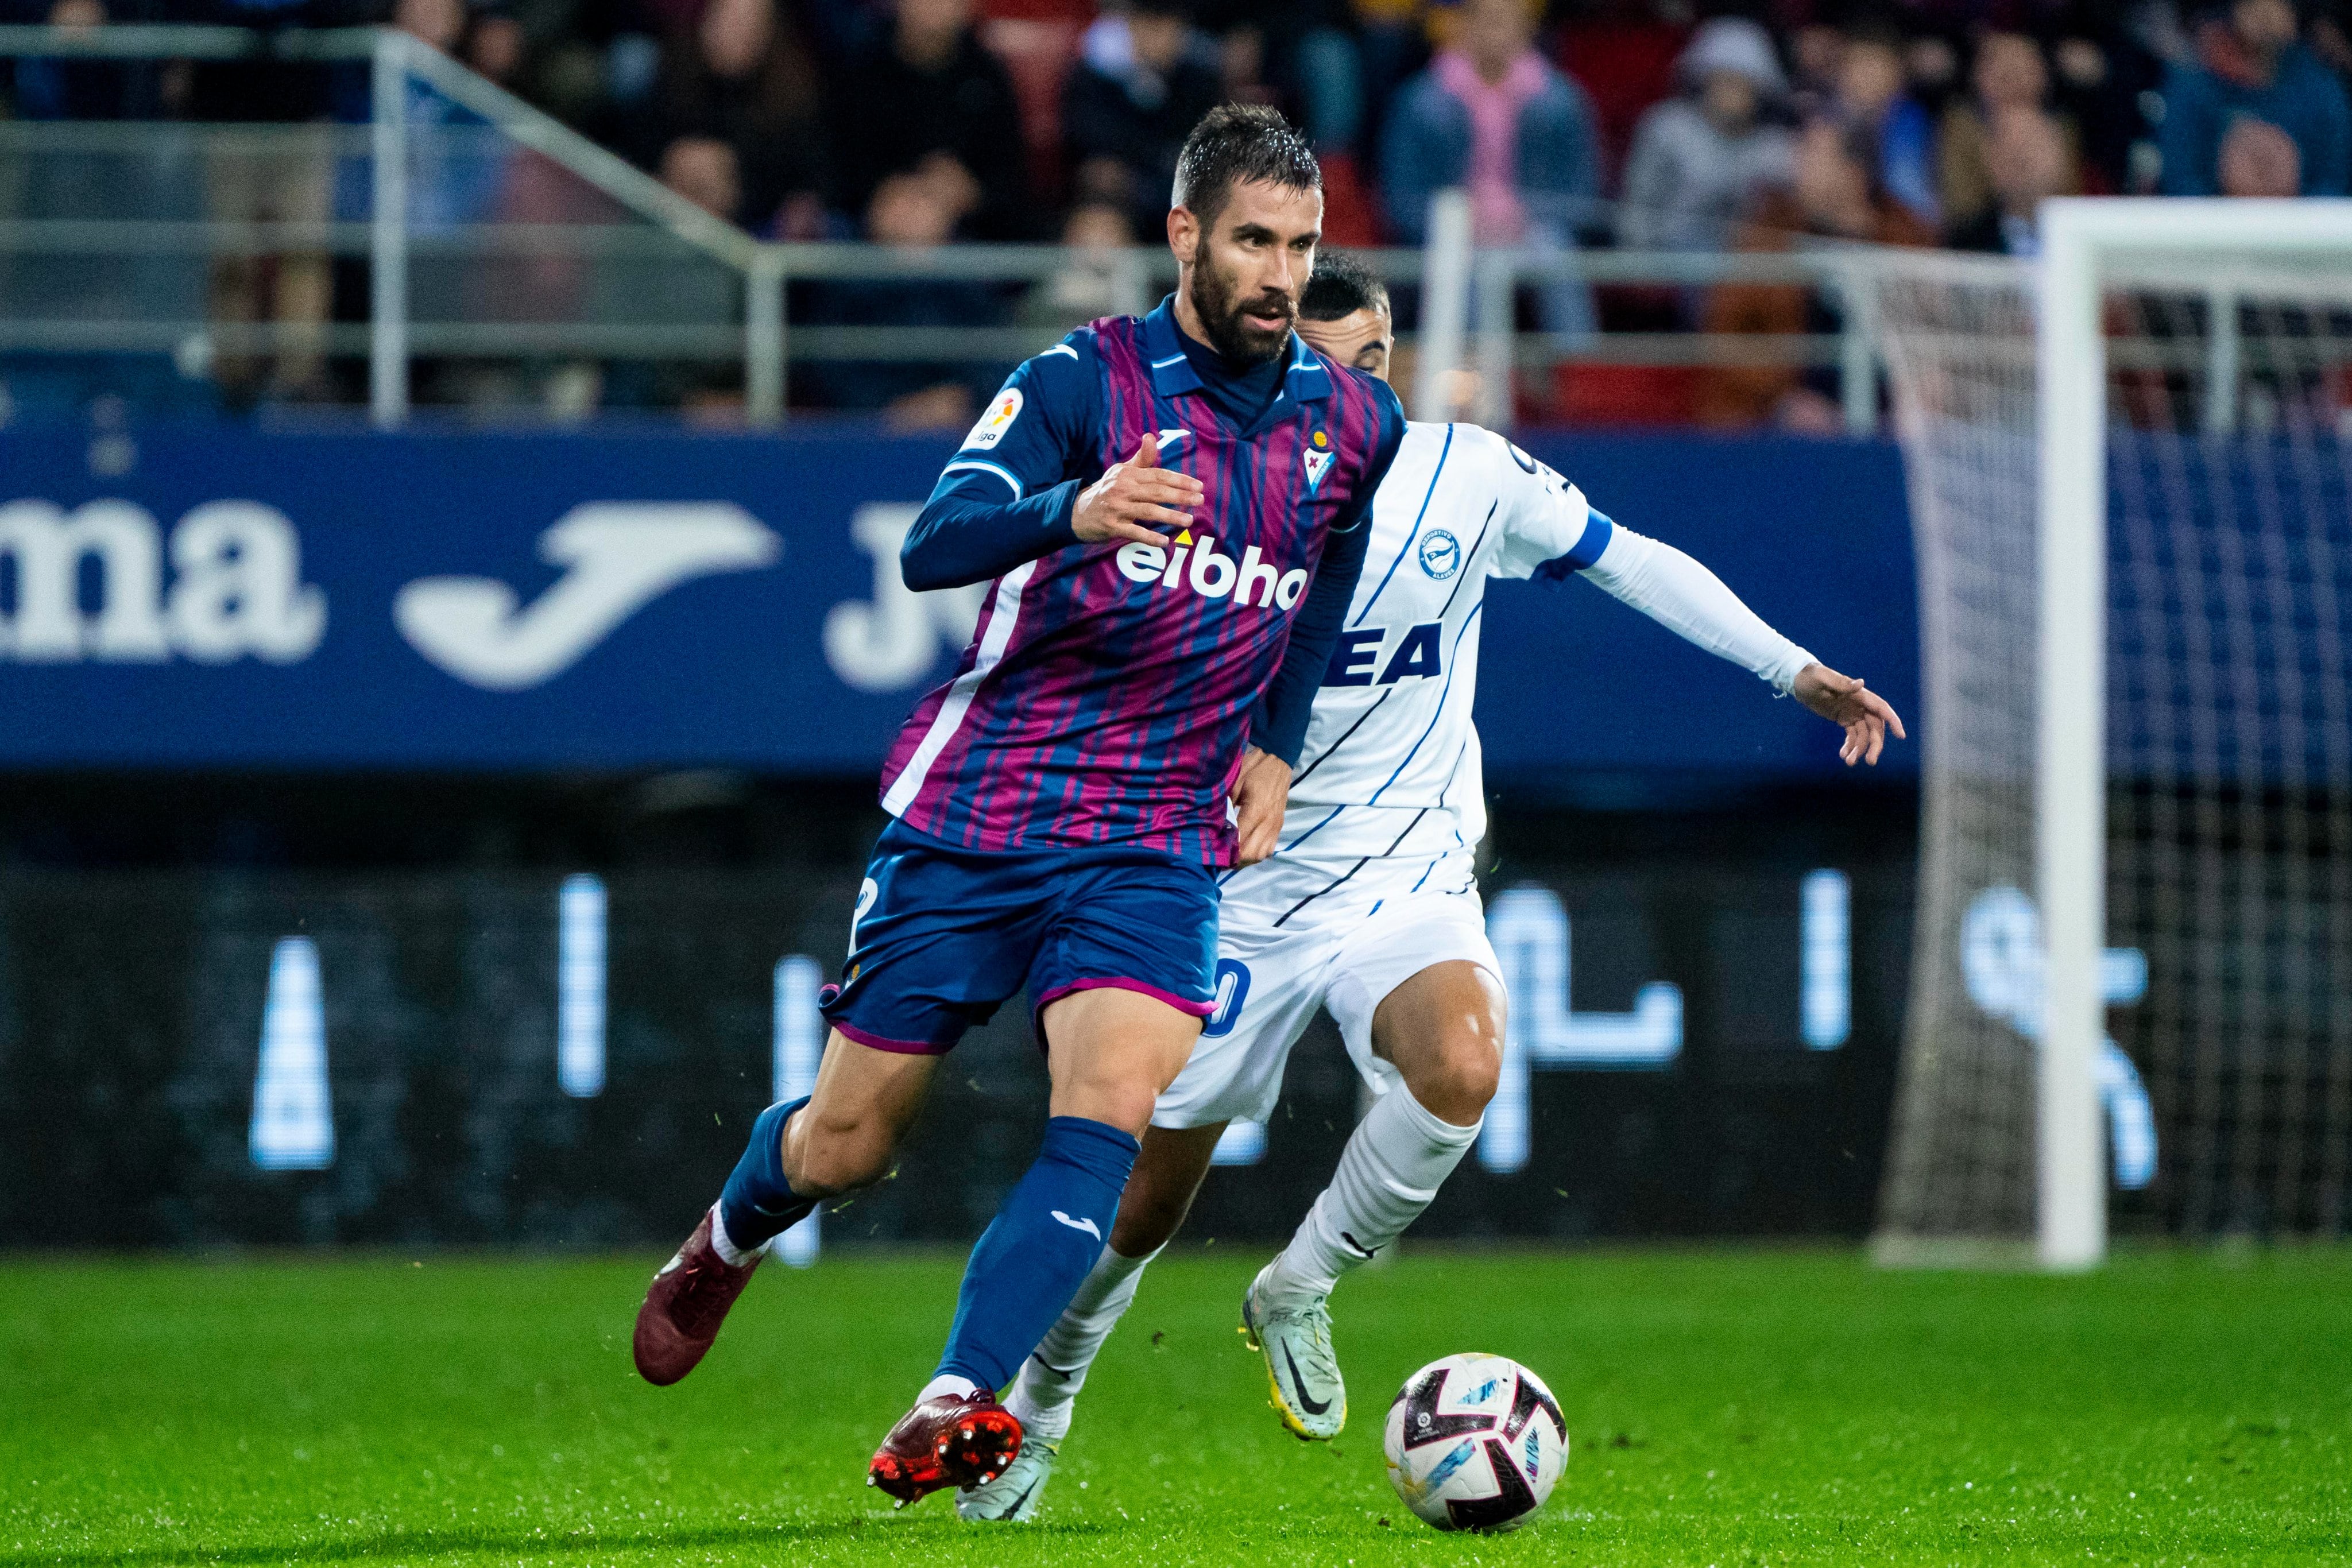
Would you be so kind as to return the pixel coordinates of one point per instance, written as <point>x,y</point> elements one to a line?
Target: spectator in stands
<point>1814,50</point>
<point>453,179</point>
<point>2298,389</point>
<point>915,212</point>
<point>1094,280</point>
<point>1302,54</point>
<point>79,89</point>
<point>2258,159</point>
<point>2027,160</point>
<point>1144,80</point>
<point>743,74</point>
<point>704,170</point>
<point>2249,63</point>
<point>1931,72</point>
<point>662,292</point>
<point>1701,160</point>
<point>1493,115</point>
<point>281,181</point>
<point>496,46</point>
<point>1894,129</point>
<point>1309,57</point>
<point>2103,75</point>
<point>1834,194</point>
<point>2009,73</point>
<point>927,96</point>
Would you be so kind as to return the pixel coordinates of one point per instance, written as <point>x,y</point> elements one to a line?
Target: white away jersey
<point>1391,763</point>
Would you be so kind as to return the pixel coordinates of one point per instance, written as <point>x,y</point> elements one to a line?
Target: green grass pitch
<point>1727,1407</point>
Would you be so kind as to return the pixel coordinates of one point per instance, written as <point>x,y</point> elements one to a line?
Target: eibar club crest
<point>1318,461</point>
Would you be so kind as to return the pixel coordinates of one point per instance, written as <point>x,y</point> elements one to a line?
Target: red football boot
<point>948,1440</point>
<point>685,1305</point>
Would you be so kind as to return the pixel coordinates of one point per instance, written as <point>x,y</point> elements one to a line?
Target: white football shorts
<point>1297,934</point>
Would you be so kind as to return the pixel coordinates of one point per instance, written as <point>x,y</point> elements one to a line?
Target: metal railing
<point>620,267</point>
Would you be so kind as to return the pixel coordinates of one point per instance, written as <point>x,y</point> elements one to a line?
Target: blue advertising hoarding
<point>229,598</point>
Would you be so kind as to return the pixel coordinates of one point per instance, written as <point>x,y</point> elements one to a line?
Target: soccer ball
<point>1475,1442</point>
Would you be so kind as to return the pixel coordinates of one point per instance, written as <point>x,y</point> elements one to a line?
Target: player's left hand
<point>1846,701</point>
<point>1261,791</point>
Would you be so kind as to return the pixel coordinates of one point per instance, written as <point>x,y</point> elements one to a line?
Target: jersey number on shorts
<point>1231,990</point>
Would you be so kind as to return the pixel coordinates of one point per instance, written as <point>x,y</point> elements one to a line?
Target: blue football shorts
<point>942,935</point>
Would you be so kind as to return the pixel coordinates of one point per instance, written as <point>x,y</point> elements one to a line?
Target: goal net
<point>2130,474</point>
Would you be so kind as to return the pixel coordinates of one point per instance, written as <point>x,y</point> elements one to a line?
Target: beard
<point>1214,298</point>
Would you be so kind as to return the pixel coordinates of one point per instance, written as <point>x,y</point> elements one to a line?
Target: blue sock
<point>757,1203</point>
<point>1036,1253</point>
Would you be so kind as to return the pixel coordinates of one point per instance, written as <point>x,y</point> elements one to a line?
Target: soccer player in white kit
<point>1369,907</point>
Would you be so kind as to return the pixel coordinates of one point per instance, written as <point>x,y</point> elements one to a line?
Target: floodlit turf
<point>1725,1407</point>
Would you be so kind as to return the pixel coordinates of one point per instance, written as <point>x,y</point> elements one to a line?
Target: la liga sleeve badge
<point>992,424</point>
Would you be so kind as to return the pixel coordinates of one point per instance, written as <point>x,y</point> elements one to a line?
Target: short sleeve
<point>1550,530</point>
<point>1037,430</point>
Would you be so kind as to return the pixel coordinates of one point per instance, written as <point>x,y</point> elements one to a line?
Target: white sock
<point>729,1253</point>
<point>1050,1379</point>
<point>1395,1161</point>
<point>947,1383</point>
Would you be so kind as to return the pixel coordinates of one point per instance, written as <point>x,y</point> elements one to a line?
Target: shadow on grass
<point>430,1543</point>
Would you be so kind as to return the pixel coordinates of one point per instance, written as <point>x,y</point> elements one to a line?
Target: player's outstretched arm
<point>1682,595</point>
<point>1552,533</point>
<point>1843,700</point>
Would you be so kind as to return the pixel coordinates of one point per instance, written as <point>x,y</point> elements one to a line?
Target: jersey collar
<point>1306,380</point>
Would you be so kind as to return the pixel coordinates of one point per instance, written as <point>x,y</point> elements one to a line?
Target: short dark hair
<point>1238,142</point>
<point>1342,285</point>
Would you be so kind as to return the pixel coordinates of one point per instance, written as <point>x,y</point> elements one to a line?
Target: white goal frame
<point>2082,239</point>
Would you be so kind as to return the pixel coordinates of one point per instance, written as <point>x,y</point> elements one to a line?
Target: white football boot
<point>1300,1365</point>
<point>1012,1496</point>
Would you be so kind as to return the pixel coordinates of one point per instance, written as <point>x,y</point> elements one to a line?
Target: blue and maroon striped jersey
<point>1109,687</point>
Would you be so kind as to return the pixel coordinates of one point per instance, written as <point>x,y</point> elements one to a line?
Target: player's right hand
<point>1134,498</point>
<point>1261,791</point>
<point>1844,701</point>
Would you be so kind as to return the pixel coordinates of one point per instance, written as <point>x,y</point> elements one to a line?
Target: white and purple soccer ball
<point>1475,1442</point>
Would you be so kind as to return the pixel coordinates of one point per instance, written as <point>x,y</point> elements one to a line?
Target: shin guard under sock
<point>1043,1240</point>
<point>1395,1161</point>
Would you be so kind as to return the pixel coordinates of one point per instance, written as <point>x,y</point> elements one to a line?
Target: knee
<point>1120,1093</point>
<point>1455,1083</point>
<point>1147,1222</point>
<point>827,1158</point>
<point>1127,1106</point>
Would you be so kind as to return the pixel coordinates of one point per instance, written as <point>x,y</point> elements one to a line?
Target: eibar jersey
<point>1109,687</point>
<point>1391,764</point>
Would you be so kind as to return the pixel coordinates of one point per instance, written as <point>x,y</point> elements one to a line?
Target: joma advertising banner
<point>221,597</point>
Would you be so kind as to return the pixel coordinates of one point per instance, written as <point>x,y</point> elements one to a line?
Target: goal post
<point>2070,803</point>
<point>2007,399</point>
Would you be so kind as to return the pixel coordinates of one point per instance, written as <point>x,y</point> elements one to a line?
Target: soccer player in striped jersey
<point>1169,510</point>
<point>1369,908</point>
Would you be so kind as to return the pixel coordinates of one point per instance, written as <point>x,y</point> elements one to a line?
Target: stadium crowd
<point>1654,124</point>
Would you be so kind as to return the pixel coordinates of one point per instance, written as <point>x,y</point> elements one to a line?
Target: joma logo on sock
<point>1085,1225</point>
